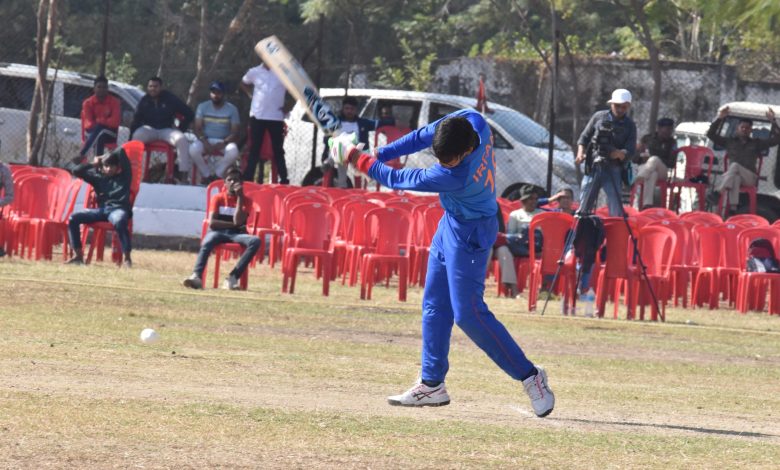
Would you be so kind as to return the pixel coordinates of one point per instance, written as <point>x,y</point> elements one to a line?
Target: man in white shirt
<point>265,114</point>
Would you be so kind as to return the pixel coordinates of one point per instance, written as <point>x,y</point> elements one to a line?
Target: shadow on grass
<point>723,432</point>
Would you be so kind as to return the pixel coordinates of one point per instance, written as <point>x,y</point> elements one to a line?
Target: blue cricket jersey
<point>467,191</point>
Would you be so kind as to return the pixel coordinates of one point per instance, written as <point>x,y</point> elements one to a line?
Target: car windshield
<point>524,129</point>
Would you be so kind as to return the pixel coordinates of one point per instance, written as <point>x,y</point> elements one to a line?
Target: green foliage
<point>121,68</point>
<point>416,71</point>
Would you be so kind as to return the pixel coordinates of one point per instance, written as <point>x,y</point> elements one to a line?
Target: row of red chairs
<point>695,248</point>
<point>37,220</point>
<point>351,233</point>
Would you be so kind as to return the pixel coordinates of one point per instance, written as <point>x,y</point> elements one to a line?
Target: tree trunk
<point>644,34</point>
<point>199,70</point>
<point>236,26</point>
<point>39,115</point>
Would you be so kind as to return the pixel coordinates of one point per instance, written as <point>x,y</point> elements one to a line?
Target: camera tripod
<point>589,200</point>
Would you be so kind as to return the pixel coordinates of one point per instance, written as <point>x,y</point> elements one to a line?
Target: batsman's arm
<point>410,143</point>
<point>433,180</point>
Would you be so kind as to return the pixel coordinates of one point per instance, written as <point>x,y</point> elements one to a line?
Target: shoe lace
<point>534,389</point>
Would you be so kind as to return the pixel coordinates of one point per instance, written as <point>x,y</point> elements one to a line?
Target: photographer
<point>610,138</point>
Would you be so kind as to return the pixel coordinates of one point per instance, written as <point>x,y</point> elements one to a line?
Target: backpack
<point>761,257</point>
<point>588,240</point>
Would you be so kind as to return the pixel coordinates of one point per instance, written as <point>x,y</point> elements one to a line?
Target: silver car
<point>17,83</point>
<point>520,143</point>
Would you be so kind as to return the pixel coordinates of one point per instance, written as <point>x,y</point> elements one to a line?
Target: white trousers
<point>736,176</point>
<point>230,155</point>
<point>506,262</point>
<point>649,174</point>
<point>175,137</point>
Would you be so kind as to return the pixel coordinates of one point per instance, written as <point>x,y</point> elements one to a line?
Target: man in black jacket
<point>111,176</point>
<point>154,120</point>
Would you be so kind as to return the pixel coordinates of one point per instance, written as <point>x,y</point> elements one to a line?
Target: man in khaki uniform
<point>743,152</point>
<point>660,149</point>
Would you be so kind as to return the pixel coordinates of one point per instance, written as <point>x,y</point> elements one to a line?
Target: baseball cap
<point>217,85</point>
<point>526,192</point>
<point>620,96</point>
<point>665,122</point>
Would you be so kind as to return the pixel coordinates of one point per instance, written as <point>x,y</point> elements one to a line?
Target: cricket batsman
<point>464,177</point>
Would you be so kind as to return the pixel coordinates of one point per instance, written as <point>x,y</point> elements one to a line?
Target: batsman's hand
<point>343,147</point>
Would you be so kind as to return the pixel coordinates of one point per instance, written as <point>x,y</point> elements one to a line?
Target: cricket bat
<point>299,85</point>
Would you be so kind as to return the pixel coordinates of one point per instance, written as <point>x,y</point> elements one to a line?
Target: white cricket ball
<point>149,336</point>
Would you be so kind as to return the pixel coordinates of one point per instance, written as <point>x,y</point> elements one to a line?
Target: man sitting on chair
<point>100,116</point>
<point>227,224</point>
<point>216,126</point>
<point>660,151</point>
<point>154,119</point>
<point>743,152</point>
<point>110,176</point>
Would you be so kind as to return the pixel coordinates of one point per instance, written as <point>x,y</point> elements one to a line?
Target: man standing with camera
<point>607,143</point>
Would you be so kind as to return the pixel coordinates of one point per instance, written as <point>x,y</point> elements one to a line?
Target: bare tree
<point>41,104</point>
<point>236,26</point>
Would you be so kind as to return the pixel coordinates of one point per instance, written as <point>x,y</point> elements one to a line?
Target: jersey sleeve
<point>248,78</point>
<point>434,179</point>
<point>115,118</point>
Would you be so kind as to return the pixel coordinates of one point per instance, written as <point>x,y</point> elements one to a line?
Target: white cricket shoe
<point>542,398</point>
<point>422,395</point>
<point>231,283</point>
<point>193,282</point>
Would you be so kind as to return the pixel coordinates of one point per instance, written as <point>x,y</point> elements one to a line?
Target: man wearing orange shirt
<point>100,116</point>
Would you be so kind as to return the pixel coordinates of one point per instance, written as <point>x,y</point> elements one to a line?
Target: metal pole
<point>553,86</point>
<point>317,83</point>
<point>104,41</point>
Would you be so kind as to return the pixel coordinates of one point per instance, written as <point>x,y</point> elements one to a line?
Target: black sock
<point>534,371</point>
<point>431,383</point>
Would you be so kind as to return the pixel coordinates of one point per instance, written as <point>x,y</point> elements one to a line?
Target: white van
<point>520,143</point>
<point>17,83</point>
<point>769,179</point>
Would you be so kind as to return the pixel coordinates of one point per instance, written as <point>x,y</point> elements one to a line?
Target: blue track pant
<point>454,290</point>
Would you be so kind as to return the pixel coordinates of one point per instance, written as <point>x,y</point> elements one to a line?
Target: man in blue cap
<point>659,149</point>
<point>217,126</point>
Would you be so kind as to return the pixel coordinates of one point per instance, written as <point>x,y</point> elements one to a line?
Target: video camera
<point>602,143</point>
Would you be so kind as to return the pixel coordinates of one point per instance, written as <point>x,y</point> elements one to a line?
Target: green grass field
<point>259,379</point>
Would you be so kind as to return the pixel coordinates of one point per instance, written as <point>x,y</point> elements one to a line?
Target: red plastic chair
<point>388,250</point>
<point>160,146</point>
<point>313,226</point>
<point>357,237</point>
<point>427,219</point>
<point>616,266</point>
<point>751,191</point>
<point>135,153</point>
<point>662,184</point>
<point>706,286</point>
<point>36,197</point>
<point>225,251</point>
<point>702,218</point>
<point>603,211</point>
<point>658,213</point>
<point>752,287</point>
<point>682,268</point>
<point>554,227</point>
<point>755,219</point>
<point>656,246</point>
<point>263,201</point>
<point>48,232</point>
<point>696,158</point>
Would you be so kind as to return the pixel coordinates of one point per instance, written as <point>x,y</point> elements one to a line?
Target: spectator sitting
<point>266,113</point>
<point>100,116</point>
<point>660,150</point>
<point>110,176</point>
<point>154,119</point>
<point>564,198</point>
<point>522,216</point>
<point>386,117</point>
<point>7,186</point>
<point>743,152</point>
<point>506,260</point>
<point>227,224</point>
<point>351,123</point>
<point>216,126</point>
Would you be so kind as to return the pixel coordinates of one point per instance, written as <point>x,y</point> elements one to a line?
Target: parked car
<point>17,83</point>
<point>769,179</point>
<point>520,143</point>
